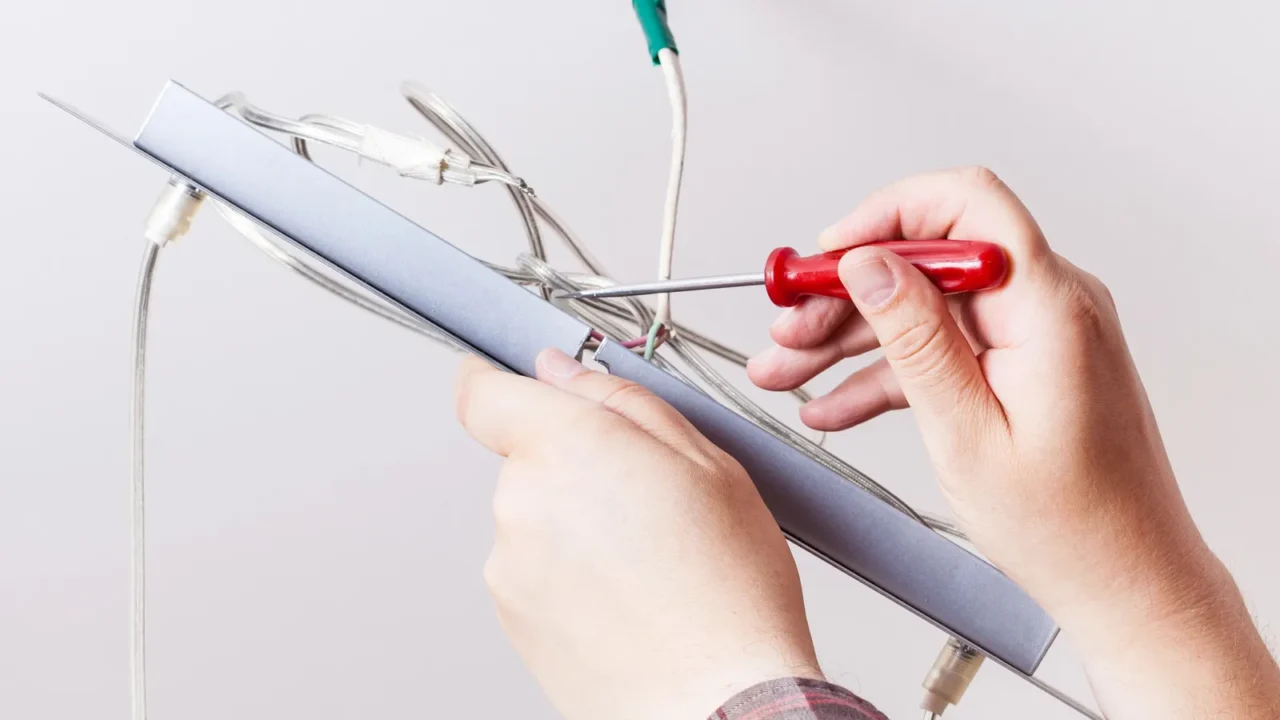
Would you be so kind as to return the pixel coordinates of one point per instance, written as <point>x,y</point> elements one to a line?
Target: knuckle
<point>922,349</point>
<point>726,471</point>
<point>1085,314</point>
<point>713,475</point>
<point>982,177</point>
<point>817,320</point>
<point>1100,291</point>
<point>625,394</point>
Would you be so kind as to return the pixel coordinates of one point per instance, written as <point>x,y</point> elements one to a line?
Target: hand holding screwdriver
<point>1042,439</point>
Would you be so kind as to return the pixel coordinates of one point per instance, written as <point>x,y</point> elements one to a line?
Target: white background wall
<point>318,520</point>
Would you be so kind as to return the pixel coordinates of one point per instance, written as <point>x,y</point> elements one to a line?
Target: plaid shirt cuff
<point>796,699</point>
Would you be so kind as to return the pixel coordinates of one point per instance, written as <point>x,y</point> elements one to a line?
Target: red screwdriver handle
<point>955,266</point>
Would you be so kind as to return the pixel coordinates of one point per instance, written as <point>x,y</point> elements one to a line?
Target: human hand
<point>635,567</point>
<point>1042,439</point>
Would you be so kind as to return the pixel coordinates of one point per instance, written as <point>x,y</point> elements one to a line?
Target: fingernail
<point>555,363</point>
<point>871,282</point>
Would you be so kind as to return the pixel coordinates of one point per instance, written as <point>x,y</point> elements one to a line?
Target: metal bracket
<point>396,258</point>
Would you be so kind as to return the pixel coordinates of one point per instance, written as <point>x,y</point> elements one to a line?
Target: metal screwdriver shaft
<point>670,286</point>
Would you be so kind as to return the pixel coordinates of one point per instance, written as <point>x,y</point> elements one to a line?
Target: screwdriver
<point>955,266</point>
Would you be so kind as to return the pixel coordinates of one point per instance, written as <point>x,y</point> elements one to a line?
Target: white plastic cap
<point>171,216</point>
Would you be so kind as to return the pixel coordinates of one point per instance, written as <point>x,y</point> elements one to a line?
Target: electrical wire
<point>673,74</point>
<point>138,523</point>
<point>169,219</point>
<point>447,120</point>
<point>602,314</point>
<point>442,115</point>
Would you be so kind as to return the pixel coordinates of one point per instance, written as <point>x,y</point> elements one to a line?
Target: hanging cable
<point>652,15</point>
<point>138,522</point>
<point>170,219</point>
<point>669,60</point>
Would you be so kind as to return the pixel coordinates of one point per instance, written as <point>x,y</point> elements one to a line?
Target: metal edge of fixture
<point>403,262</point>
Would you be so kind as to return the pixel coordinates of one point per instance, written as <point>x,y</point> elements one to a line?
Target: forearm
<point>796,699</point>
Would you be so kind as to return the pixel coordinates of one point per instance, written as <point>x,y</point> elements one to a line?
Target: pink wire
<point>640,341</point>
<point>633,343</point>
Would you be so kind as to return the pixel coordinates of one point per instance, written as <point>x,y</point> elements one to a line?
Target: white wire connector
<point>415,157</point>
<point>949,677</point>
<point>412,157</point>
<point>171,216</point>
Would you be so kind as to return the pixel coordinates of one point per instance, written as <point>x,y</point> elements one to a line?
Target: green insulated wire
<point>653,20</point>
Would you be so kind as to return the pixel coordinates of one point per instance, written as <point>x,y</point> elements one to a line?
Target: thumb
<point>630,400</point>
<point>939,374</point>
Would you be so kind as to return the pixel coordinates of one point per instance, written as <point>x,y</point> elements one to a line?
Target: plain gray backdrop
<point>319,522</point>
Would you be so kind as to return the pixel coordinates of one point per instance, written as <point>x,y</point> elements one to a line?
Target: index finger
<point>505,411</point>
<point>962,204</point>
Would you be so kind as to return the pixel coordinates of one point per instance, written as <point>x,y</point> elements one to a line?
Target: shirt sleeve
<point>796,699</point>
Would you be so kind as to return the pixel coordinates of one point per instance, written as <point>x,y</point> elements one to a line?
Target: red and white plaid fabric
<point>796,699</point>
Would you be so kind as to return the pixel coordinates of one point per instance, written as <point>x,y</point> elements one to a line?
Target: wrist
<point>704,692</point>
<point>792,697</point>
<point>1188,649</point>
<point>1181,587</point>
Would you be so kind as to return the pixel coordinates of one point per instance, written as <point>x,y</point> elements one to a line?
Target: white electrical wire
<point>137,513</point>
<point>170,218</point>
<point>673,74</point>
